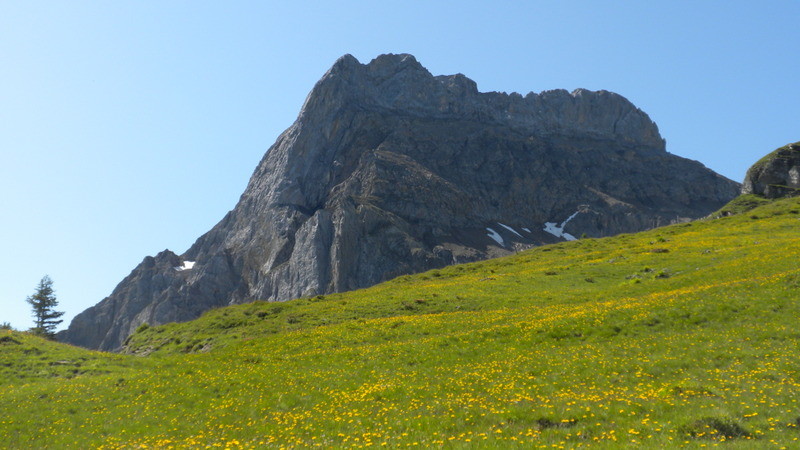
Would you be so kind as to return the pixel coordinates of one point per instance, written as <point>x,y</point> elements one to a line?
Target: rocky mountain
<point>390,170</point>
<point>775,175</point>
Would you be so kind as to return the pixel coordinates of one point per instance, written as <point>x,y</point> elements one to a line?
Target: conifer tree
<point>43,302</point>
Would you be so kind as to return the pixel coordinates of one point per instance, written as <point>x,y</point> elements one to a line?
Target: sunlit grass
<point>682,336</point>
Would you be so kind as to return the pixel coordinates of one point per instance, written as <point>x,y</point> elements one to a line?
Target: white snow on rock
<point>558,230</point>
<point>187,265</point>
<point>509,229</point>
<point>496,236</point>
<point>527,230</point>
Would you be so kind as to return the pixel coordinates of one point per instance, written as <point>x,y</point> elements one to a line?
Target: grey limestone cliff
<point>390,170</point>
<point>775,175</point>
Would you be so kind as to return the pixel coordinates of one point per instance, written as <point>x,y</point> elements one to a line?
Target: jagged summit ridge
<point>390,170</point>
<point>400,83</point>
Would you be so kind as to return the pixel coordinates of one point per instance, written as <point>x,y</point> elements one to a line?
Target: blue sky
<point>128,127</point>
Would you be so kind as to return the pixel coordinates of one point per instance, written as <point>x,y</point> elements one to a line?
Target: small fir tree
<point>43,303</point>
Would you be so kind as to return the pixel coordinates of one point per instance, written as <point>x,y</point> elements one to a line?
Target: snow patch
<point>496,236</point>
<point>187,265</point>
<point>509,229</point>
<point>527,230</point>
<point>558,230</point>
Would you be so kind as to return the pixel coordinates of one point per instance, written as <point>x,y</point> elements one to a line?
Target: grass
<point>740,205</point>
<point>27,358</point>
<point>683,336</point>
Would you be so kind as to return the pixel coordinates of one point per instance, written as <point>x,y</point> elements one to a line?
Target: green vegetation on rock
<point>681,336</point>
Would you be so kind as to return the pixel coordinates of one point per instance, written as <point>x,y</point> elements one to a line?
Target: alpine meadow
<point>681,336</point>
<point>350,225</point>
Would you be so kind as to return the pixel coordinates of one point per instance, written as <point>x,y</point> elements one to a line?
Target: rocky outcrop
<point>389,170</point>
<point>775,175</point>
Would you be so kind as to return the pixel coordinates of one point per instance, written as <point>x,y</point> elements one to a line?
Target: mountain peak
<point>345,64</point>
<point>398,82</point>
<point>389,170</point>
<point>390,64</point>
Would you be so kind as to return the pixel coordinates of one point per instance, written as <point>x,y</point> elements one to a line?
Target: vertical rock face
<point>389,170</point>
<point>775,175</point>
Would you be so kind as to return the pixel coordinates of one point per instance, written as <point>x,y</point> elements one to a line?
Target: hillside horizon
<point>673,337</point>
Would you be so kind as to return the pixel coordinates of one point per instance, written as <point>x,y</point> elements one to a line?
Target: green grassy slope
<point>681,336</point>
<point>25,358</point>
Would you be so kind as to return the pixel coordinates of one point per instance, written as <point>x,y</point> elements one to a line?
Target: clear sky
<point>128,127</point>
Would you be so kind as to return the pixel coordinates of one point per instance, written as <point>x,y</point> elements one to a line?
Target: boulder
<point>775,175</point>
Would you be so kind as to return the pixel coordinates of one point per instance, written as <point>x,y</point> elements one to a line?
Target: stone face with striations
<point>775,175</point>
<point>390,170</point>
